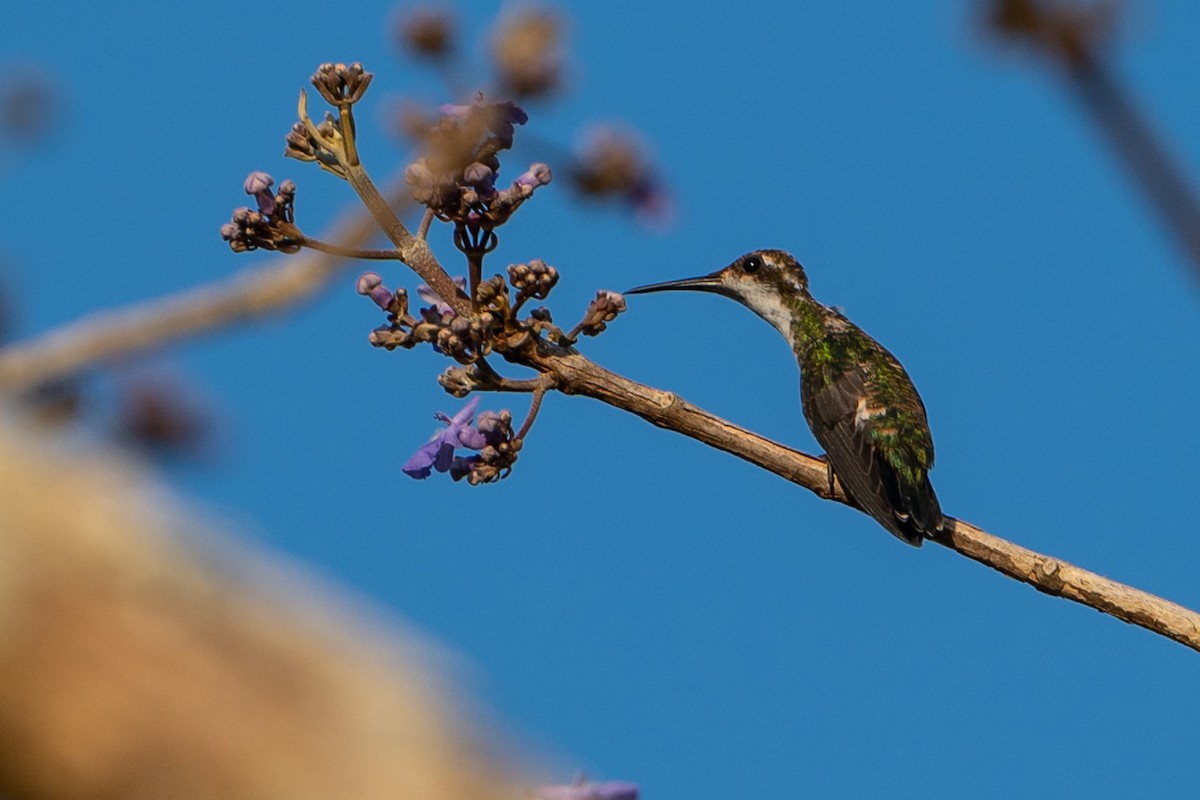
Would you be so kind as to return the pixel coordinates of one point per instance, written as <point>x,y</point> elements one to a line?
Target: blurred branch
<point>253,293</point>
<point>1072,36</point>
<point>117,334</point>
<point>135,664</point>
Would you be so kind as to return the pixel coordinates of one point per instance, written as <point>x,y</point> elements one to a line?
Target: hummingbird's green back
<point>865,411</point>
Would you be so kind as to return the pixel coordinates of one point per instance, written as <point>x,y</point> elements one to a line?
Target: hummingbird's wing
<point>870,421</point>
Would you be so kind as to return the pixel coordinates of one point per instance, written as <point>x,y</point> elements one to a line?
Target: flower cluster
<point>271,226</point>
<point>534,279</point>
<point>491,434</point>
<point>611,164</point>
<point>427,32</point>
<point>463,338</point>
<point>331,143</point>
<point>466,338</point>
<point>527,52</point>
<point>456,178</point>
<point>320,143</point>
<point>600,312</point>
<point>437,323</point>
<point>341,84</point>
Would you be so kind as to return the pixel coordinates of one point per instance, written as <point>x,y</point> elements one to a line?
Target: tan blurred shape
<point>140,660</point>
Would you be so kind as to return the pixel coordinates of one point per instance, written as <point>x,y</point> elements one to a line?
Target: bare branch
<point>575,374</point>
<point>119,333</point>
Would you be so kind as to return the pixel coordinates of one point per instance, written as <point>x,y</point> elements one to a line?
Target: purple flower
<point>491,425</point>
<point>371,285</point>
<point>500,117</point>
<point>607,790</point>
<point>259,184</point>
<point>434,299</point>
<point>480,176</point>
<point>538,175</point>
<point>438,452</point>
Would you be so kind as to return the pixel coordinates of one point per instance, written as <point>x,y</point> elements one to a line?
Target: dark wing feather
<point>831,404</point>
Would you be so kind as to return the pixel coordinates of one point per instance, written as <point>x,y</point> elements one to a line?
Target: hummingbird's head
<point>768,282</point>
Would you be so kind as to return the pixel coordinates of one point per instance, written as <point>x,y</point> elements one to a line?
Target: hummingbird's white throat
<point>768,304</point>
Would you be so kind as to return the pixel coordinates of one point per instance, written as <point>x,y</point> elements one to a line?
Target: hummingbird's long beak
<point>704,283</point>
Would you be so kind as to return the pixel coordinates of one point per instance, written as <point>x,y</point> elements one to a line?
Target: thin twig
<point>487,379</point>
<point>545,382</point>
<point>349,252</point>
<point>423,228</point>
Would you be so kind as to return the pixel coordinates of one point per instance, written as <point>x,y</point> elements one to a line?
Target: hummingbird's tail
<point>918,511</point>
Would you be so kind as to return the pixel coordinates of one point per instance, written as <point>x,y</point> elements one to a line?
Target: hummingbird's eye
<point>751,264</point>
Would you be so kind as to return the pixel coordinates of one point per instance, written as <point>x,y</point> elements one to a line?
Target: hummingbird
<point>859,402</point>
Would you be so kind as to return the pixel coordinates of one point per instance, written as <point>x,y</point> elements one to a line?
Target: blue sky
<point>633,603</point>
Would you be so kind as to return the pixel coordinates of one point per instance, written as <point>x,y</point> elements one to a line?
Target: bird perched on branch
<point>859,402</point>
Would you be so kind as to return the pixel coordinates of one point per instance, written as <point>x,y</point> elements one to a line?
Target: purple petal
<point>454,110</point>
<point>470,437</point>
<point>465,413</point>
<point>511,112</point>
<point>434,299</point>
<point>371,285</point>
<point>537,175</point>
<point>420,464</point>
<point>258,182</point>
<point>477,174</point>
<point>428,295</point>
<point>461,467</point>
<point>266,202</point>
<point>367,281</point>
<point>615,790</point>
<point>445,453</point>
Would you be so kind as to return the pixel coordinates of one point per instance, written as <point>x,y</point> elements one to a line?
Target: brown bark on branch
<point>575,374</point>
